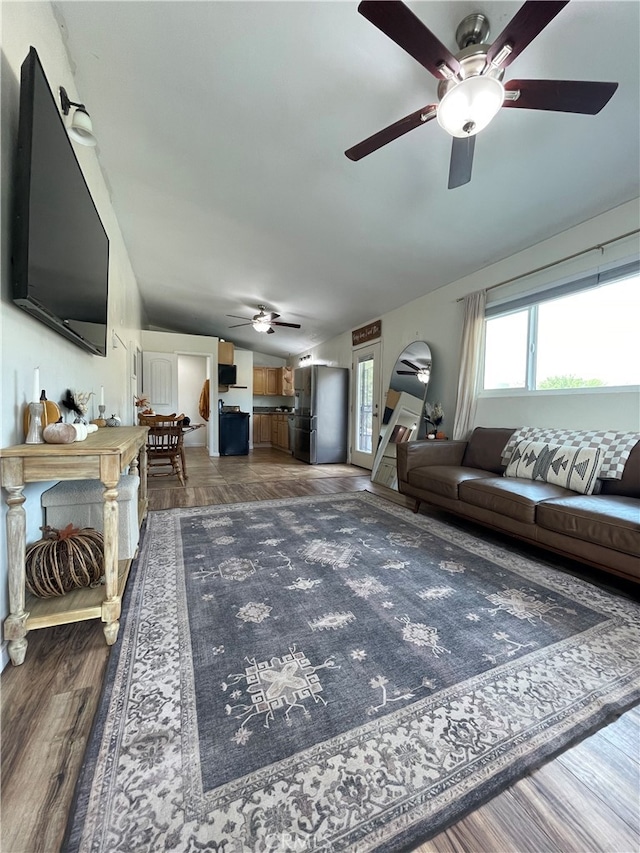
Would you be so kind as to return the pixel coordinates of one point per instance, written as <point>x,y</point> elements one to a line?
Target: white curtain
<point>470,363</point>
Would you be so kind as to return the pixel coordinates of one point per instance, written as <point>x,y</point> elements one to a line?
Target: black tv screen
<point>60,262</point>
<point>226,374</point>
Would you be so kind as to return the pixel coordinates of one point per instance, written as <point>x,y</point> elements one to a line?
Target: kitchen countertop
<point>266,410</point>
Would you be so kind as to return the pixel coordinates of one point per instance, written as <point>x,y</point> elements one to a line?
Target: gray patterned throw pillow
<point>574,468</point>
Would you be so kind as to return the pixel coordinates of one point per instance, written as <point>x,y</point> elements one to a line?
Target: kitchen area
<point>301,411</point>
<point>254,399</point>
<point>272,406</point>
<point>262,393</point>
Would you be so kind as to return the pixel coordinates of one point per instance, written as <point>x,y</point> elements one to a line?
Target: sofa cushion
<point>574,468</point>
<point>443,479</point>
<point>608,520</point>
<point>509,496</point>
<point>485,447</point>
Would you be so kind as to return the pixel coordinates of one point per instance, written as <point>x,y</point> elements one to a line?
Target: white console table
<point>103,456</point>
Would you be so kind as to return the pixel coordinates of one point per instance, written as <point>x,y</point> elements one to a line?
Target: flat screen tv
<point>227,374</point>
<point>60,253</point>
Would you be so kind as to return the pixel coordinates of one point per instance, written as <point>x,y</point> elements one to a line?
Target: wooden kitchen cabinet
<point>261,428</point>
<point>267,381</point>
<point>283,433</point>
<point>259,381</point>
<point>225,352</point>
<point>271,428</point>
<point>280,431</point>
<point>265,429</point>
<point>274,381</point>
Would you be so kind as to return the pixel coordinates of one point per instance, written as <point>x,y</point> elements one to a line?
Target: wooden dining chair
<point>164,449</point>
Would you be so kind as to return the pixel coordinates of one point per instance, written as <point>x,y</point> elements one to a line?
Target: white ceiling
<point>222,128</point>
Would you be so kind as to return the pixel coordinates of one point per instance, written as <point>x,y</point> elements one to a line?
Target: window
<point>578,335</point>
<point>364,409</point>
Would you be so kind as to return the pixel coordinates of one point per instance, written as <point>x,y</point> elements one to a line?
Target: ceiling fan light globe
<point>469,107</point>
<point>423,375</point>
<point>81,128</point>
<point>261,325</point>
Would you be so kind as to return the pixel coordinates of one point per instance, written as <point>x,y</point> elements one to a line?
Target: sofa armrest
<point>417,454</point>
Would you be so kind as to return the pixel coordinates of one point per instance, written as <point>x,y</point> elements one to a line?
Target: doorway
<point>173,382</point>
<point>365,393</point>
<point>192,372</point>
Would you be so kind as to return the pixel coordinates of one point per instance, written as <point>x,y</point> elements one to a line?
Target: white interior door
<point>365,394</point>
<point>160,381</point>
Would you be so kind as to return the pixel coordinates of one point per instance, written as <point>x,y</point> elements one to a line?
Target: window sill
<point>555,392</point>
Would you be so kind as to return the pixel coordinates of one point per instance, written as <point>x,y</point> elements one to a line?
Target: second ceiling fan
<point>471,91</point>
<point>263,321</point>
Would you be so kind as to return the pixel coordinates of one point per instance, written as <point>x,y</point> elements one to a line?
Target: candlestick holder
<point>100,420</point>
<point>34,435</point>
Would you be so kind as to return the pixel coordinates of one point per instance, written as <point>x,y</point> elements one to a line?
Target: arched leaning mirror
<point>403,411</point>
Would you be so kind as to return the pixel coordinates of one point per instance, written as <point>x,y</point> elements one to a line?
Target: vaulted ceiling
<point>222,128</point>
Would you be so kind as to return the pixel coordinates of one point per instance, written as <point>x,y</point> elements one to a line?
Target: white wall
<point>26,343</point>
<point>243,394</point>
<point>437,319</point>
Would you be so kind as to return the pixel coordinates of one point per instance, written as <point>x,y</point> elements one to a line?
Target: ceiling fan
<point>471,91</point>
<point>263,321</point>
<point>423,374</point>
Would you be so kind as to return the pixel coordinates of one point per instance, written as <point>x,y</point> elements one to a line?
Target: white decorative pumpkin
<point>81,431</point>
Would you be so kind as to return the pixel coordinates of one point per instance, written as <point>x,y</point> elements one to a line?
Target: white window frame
<point>530,303</point>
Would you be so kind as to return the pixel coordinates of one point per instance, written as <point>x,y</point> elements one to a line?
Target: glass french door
<point>365,393</point>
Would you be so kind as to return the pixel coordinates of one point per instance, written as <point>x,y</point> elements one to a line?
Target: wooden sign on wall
<point>366,333</point>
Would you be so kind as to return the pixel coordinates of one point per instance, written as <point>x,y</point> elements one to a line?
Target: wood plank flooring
<point>587,799</point>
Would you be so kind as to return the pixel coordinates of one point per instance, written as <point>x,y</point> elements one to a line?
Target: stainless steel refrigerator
<point>321,414</point>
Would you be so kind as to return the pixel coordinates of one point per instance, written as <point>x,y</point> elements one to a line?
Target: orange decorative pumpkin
<point>51,415</point>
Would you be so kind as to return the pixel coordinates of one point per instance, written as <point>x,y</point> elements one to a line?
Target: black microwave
<point>227,374</point>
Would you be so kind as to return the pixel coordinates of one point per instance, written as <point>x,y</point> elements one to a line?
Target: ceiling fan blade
<point>565,96</point>
<point>237,325</point>
<point>398,22</point>
<point>289,325</point>
<point>271,331</point>
<point>273,316</point>
<point>383,137</point>
<point>237,317</point>
<point>526,24</point>
<point>406,372</point>
<point>410,364</point>
<point>461,161</point>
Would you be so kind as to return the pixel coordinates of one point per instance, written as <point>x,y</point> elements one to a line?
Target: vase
<point>34,435</point>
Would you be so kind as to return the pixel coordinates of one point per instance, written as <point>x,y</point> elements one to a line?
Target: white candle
<point>36,384</point>
<point>102,395</point>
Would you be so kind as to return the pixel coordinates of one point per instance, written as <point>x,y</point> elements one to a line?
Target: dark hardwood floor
<point>587,799</point>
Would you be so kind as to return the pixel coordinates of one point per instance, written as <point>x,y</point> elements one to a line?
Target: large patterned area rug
<point>335,673</point>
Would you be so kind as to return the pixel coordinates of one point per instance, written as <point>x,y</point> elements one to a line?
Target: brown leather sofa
<point>465,477</point>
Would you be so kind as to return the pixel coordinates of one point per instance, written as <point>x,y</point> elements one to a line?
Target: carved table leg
<point>143,472</point>
<point>111,604</point>
<point>15,629</point>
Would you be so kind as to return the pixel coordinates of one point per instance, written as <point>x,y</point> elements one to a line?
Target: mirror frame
<point>403,415</point>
